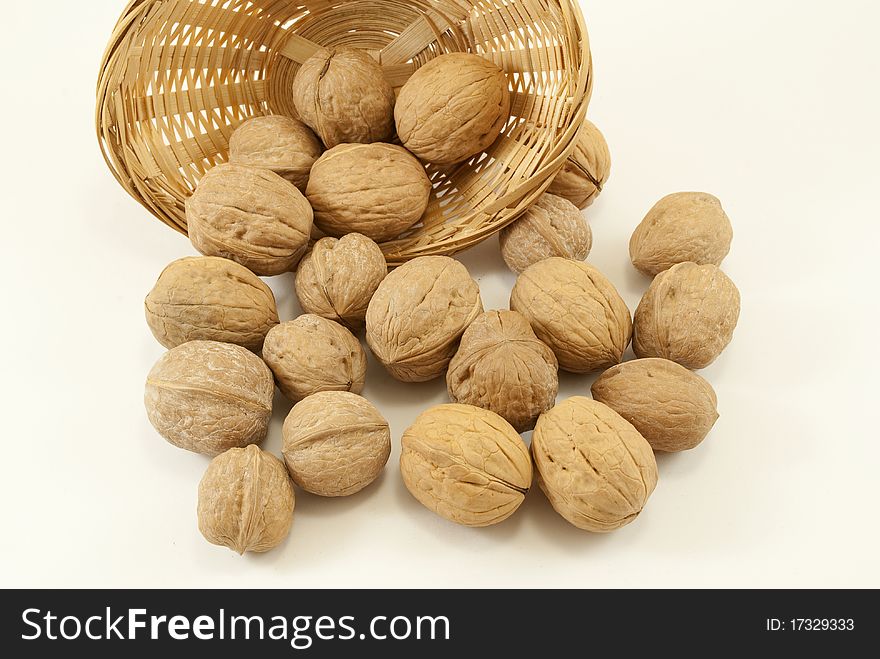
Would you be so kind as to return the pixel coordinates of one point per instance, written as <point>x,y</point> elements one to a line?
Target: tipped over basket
<point>180,75</point>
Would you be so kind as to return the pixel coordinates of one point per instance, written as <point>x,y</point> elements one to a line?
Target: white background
<point>772,106</point>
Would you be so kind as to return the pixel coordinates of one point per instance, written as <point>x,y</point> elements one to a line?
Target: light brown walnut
<point>552,227</point>
<point>335,443</point>
<point>672,407</point>
<point>342,95</point>
<point>249,215</point>
<point>378,190</point>
<point>452,108</point>
<point>466,464</point>
<point>210,299</point>
<point>208,397</point>
<point>283,145</point>
<point>586,171</point>
<point>688,315</point>
<point>418,314</point>
<point>681,228</point>
<point>575,310</point>
<point>593,465</point>
<point>312,354</point>
<point>246,501</point>
<point>501,366</point>
<point>338,278</point>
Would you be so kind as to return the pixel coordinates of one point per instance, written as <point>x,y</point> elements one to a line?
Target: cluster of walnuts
<point>213,391</point>
<point>260,208</point>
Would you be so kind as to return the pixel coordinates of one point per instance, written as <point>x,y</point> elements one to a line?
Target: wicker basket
<point>180,75</point>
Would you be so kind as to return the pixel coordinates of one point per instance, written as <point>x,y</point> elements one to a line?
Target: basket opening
<point>181,75</point>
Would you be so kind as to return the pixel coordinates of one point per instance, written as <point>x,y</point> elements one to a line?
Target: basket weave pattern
<point>180,75</point>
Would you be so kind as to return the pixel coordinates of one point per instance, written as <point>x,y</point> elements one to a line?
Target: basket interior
<point>180,75</point>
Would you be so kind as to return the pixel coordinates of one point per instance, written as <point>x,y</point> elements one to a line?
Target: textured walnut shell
<point>576,311</point>
<point>337,279</point>
<point>208,397</point>
<point>343,96</point>
<point>586,171</point>
<point>335,443</point>
<point>681,228</point>
<point>378,190</point>
<point>452,108</point>
<point>249,215</point>
<point>466,464</point>
<point>672,407</point>
<point>418,314</point>
<point>312,354</point>
<point>688,315</point>
<point>281,144</point>
<point>593,465</point>
<point>501,366</point>
<point>246,501</point>
<point>552,227</point>
<point>210,299</point>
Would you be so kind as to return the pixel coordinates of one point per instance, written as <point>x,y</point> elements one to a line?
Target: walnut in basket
<point>342,94</point>
<point>378,190</point>
<point>452,108</point>
<point>587,169</point>
<point>249,215</point>
<point>284,145</point>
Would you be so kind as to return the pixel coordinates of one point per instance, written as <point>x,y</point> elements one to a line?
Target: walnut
<point>688,315</point>
<point>672,407</point>
<point>452,108</point>
<point>312,354</point>
<point>418,314</point>
<point>501,366</point>
<point>593,465</point>
<point>208,397</point>
<point>576,311</point>
<point>378,190</point>
<point>338,278</point>
<point>284,145</point>
<point>342,95</point>
<point>249,215</point>
<point>210,299</point>
<point>466,464</point>
<point>553,226</point>
<point>587,169</point>
<point>246,501</point>
<point>681,228</point>
<point>335,443</point>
